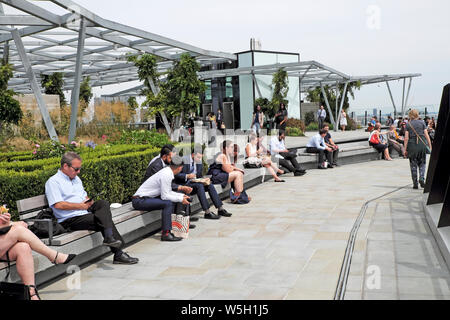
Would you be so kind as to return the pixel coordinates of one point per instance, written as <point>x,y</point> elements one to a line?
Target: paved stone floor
<point>288,243</point>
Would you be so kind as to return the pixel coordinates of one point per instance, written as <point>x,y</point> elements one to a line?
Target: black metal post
<point>438,169</point>
<point>365,118</point>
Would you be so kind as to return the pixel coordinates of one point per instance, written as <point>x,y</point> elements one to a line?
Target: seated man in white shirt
<point>156,193</point>
<point>76,211</point>
<point>317,145</point>
<point>286,159</point>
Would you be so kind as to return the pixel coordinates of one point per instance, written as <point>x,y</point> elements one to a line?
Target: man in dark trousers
<point>74,210</point>
<point>164,160</point>
<point>193,169</point>
<point>283,156</point>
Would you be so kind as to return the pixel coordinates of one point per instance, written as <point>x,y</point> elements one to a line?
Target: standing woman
<point>282,117</point>
<point>416,140</point>
<point>220,121</point>
<point>257,120</point>
<point>343,121</point>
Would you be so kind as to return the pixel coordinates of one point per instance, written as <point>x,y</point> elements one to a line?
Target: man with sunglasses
<point>74,210</point>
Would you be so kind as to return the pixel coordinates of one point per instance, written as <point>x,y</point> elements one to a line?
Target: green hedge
<point>86,153</point>
<point>118,175</point>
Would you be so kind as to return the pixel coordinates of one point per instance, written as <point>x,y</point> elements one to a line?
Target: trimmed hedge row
<point>86,153</point>
<point>118,175</point>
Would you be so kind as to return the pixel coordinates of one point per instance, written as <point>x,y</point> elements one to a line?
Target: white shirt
<point>396,122</point>
<point>160,184</point>
<point>275,146</point>
<point>316,141</point>
<point>321,113</point>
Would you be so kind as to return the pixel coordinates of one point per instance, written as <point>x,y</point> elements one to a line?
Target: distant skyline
<point>357,37</point>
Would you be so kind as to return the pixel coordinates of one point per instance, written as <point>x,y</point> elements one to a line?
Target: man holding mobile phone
<point>74,210</point>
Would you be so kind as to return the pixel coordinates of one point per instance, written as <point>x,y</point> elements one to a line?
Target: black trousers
<point>290,161</point>
<point>322,154</point>
<point>99,219</point>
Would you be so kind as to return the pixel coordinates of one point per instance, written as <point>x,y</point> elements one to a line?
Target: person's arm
<point>64,205</point>
<point>427,136</point>
<point>247,151</point>
<point>405,143</point>
<point>166,190</point>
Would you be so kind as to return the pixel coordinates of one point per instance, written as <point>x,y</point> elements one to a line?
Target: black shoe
<point>299,173</point>
<point>191,218</point>
<point>224,213</point>
<point>192,226</point>
<point>321,167</point>
<point>124,258</point>
<point>335,165</point>
<point>422,183</point>
<point>211,216</point>
<point>111,242</point>
<point>69,258</point>
<point>330,166</point>
<point>415,186</point>
<point>170,237</point>
<point>301,170</point>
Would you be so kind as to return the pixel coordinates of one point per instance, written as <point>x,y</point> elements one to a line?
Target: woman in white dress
<point>343,120</point>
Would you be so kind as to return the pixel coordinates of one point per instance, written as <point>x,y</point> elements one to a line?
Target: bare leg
<point>21,253</point>
<point>272,172</point>
<point>386,155</point>
<point>238,179</point>
<point>21,234</point>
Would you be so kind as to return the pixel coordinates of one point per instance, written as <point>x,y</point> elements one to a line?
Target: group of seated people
<point>168,184</point>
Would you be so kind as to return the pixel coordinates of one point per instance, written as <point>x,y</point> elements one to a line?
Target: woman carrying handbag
<point>416,148</point>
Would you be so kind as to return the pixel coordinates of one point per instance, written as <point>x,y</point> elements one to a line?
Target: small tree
<point>10,111</point>
<point>53,84</point>
<point>280,84</point>
<point>147,73</point>
<point>180,93</point>
<point>85,95</point>
<point>132,104</point>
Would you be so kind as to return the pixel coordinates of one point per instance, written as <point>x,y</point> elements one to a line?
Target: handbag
<point>180,225</point>
<point>242,199</point>
<point>13,291</point>
<point>222,125</point>
<point>4,230</point>
<point>428,150</point>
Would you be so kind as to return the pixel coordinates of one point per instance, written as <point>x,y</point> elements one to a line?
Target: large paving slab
<point>288,243</point>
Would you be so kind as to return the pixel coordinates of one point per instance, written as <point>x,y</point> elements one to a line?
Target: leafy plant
<point>294,132</point>
<point>152,138</point>
<point>296,123</point>
<point>53,149</point>
<point>54,84</point>
<point>309,117</point>
<point>280,82</point>
<point>10,112</point>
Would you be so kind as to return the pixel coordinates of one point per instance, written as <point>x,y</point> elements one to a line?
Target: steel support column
<point>77,80</point>
<point>407,94</point>
<point>403,98</point>
<point>342,103</point>
<point>392,99</point>
<point>257,86</point>
<point>337,107</point>
<point>34,85</point>
<point>328,105</point>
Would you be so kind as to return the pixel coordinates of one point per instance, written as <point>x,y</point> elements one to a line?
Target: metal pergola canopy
<point>50,34</point>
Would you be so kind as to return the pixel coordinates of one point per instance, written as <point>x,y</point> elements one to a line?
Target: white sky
<point>412,36</point>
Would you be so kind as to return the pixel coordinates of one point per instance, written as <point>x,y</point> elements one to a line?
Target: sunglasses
<point>76,169</point>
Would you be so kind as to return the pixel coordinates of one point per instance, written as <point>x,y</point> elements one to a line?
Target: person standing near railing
<point>416,140</point>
